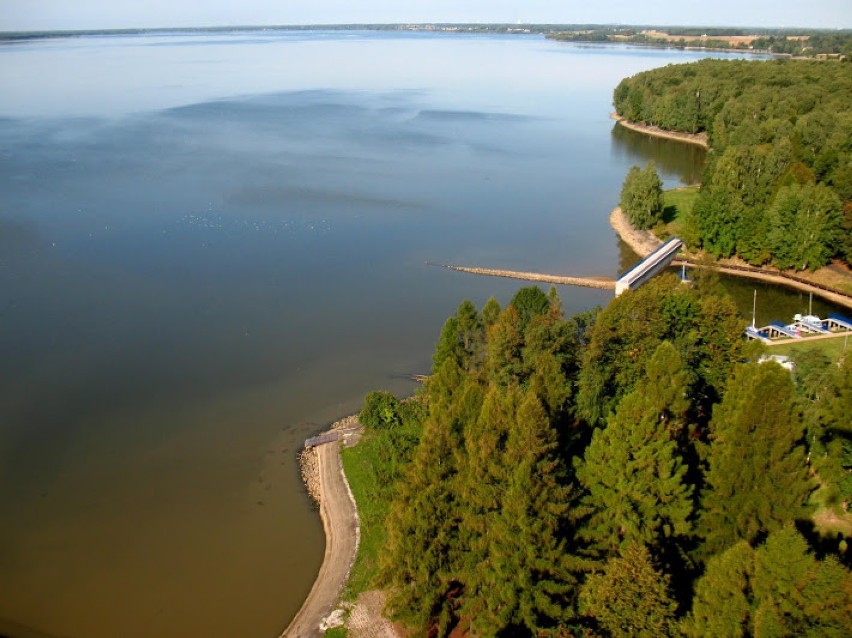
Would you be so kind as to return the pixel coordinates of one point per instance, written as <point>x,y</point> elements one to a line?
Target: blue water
<point>213,244</point>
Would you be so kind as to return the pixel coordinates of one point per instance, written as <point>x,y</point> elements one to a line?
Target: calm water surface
<point>212,245</point>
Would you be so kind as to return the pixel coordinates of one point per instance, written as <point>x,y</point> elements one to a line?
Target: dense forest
<point>625,472</point>
<point>778,184</point>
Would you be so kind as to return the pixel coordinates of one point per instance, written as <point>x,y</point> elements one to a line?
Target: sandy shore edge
<point>699,139</point>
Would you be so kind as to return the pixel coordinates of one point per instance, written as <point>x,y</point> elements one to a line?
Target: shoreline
<point>642,242</point>
<point>699,139</point>
<point>322,470</point>
<point>325,480</point>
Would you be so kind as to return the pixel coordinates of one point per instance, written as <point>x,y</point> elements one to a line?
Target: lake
<point>213,244</point>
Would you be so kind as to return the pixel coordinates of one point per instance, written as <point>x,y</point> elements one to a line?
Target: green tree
<point>490,312</point>
<point>630,597</point>
<point>806,225</point>
<point>632,472</point>
<point>757,478</point>
<point>642,196</point>
<point>526,577</point>
<point>722,606</point>
<point>423,559</point>
<point>529,302</point>
<point>504,347</point>
<point>666,388</point>
<point>461,339</point>
<point>381,410</point>
<point>780,589</point>
<point>702,325</point>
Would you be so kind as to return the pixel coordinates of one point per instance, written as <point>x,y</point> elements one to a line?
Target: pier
<point>657,261</point>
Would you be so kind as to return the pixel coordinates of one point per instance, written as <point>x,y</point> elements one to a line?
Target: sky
<point>19,15</point>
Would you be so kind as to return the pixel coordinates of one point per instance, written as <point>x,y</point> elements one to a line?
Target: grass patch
<point>678,202</point>
<point>373,468</point>
<point>832,348</point>
<point>359,463</point>
<point>337,632</point>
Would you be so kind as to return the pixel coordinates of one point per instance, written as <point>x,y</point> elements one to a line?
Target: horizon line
<point>354,25</point>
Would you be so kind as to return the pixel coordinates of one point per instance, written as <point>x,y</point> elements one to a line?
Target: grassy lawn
<point>678,202</point>
<point>832,348</point>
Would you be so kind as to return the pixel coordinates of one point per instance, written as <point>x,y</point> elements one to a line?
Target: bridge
<point>648,267</point>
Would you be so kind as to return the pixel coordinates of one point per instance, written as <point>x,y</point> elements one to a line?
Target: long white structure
<point>648,267</point>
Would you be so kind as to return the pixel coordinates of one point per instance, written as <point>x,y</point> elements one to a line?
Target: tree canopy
<point>642,196</point>
<point>778,185</point>
<point>757,480</point>
<point>668,508</point>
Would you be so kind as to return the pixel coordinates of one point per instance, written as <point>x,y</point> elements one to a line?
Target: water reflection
<point>637,148</point>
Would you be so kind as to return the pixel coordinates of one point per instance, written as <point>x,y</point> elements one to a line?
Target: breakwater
<point>602,283</point>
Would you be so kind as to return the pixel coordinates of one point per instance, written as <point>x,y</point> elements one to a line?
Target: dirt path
<point>340,521</point>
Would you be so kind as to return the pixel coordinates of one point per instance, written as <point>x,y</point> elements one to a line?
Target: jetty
<point>639,274</point>
<point>603,283</point>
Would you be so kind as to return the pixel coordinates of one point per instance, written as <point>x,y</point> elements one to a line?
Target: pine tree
<point>796,595</point>
<point>634,483</point>
<point>505,341</point>
<point>530,301</point>
<point>666,387</point>
<point>722,606</point>
<point>757,478</point>
<point>461,338</point>
<point>525,578</point>
<point>630,597</point>
<point>780,589</point>
<point>490,312</point>
<point>484,476</point>
<point>423,557</point>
